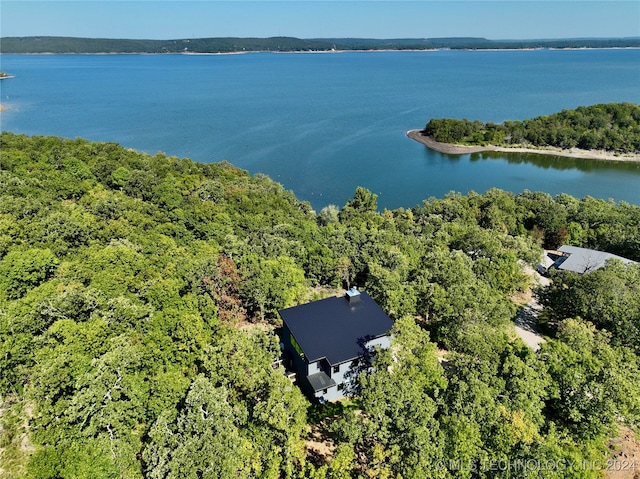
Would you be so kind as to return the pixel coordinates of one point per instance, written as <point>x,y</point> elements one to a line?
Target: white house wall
<point>339,376</point>
<point>332,394</point>
<point>383,342</point>
<point>314,368</point>
<point>346,371</point>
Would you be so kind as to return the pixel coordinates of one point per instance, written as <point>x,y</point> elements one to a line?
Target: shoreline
<point>372,50</point>
<point>451,149</point>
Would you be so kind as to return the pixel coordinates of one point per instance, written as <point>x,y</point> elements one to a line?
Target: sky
<point>170,19</point>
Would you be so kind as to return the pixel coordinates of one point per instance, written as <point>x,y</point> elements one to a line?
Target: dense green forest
<point>194,45</point>
<point>44,44</point>
<point>138,325</point>
<point>611,126</point>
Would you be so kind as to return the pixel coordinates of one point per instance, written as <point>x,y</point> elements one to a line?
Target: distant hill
<point>287,44</point>
<point>474,43</point>
<point>197,45</point>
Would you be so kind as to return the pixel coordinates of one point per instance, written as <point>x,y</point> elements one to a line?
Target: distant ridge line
<point>50,44</point>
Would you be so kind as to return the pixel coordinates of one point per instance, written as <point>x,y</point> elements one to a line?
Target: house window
<point>324,391</point>
<point>340,386</point>
<point>336,369</point>
<point>296,346</point>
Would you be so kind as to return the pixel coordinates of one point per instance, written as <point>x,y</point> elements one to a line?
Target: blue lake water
<point>322,124</point>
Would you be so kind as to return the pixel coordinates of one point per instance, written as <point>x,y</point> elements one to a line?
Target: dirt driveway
<point>527,318</point>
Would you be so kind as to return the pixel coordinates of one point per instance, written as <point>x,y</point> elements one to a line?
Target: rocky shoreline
<point>452,149</point>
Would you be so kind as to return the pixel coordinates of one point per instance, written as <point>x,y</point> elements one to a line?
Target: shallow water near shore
<point>323,124</point>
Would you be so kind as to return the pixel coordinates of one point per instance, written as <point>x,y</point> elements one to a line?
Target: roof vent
<point>353,296</point>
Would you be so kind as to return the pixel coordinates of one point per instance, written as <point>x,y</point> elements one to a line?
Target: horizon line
<point>637,37</point>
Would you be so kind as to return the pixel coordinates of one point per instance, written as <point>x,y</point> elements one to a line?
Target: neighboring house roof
<point>583,260</point>
<point>336,327</point>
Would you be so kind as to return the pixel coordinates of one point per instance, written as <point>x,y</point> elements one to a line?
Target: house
<point>580,260</point>
<point>327,340</point>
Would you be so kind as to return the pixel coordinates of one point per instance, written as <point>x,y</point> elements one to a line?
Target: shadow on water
<point>433,155</point>
<point>516,172</point>
<point>556,162</point>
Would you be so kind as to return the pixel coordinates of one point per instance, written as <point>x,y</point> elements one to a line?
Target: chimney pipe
<point>353,296</point>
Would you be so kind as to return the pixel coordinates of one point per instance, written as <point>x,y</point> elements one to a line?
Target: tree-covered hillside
<point>47,44</point>
<point>612,127</point>
<point>187,45</point>
<point>138,325</point>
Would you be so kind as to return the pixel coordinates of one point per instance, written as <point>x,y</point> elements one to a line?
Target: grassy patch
<point>15,446</point>
<point>317,413</point>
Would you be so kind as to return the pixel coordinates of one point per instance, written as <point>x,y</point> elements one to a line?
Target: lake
<point>324,123</point>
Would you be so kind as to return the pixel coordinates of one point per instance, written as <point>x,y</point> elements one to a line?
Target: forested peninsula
<point>46,44</point>
<point>139,327</point>
<point>603,131</point>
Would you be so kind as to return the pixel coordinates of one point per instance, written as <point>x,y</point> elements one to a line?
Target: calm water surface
<point>322,124</point>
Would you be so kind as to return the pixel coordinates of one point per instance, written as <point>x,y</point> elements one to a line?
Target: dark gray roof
<point>320,381</point>
<point>583,260</point>
<point>335,328</point>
